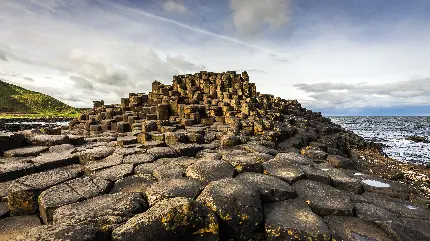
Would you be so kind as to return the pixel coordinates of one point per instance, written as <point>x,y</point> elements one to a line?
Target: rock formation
<point>206,158</point>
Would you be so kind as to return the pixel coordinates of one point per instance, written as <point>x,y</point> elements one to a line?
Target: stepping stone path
<point>205,158</point>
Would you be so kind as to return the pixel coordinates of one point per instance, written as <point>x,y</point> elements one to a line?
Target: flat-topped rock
<point>372,212</point>
<point>208,170</point>
<point>140,158</point>
<point>293,158</point>
<point>110,161</point>
<point>353,229</point>
<point>249,162</point>
<point>63,232</point>
<point>23,193</point>
<point>293,220</point>
<point>26,151</point>
<point>136,183</point>
<point>169,188</point>
<point>105,211</point>
<point>324,200</point>
<point>69,192</point>
<point>237,205</point>
<point>341,162</point>
<point>53,160</point>
<point>171,219</point>
<point>316,174</point>
<point>284,170</point>
<point>408,229</point>
<point>94,154</point>
<point>4,209</point>
<point>114,173</point>
<point>61,148</point>
<point>12,168</point>
<point>48,140</point>
<point>271,189</point>
<point>12,227</point>
<point>162,152</point>
<point>168,171</point>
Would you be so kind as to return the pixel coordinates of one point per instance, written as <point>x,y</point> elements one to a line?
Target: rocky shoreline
<point>172,165</point>
<point>20,124</point>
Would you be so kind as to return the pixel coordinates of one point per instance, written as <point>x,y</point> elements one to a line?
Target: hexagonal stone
<point>341,162</point>
<point>372,212</point>
<point>11,141</point>
<point>127,140</point>
<point>69,192</point>
<point>189,149</point>
<point>283,170</point>
<point>53,160</point>
<point>171,219</point>
<point>48,140</point>
<point>249,162</point>
<point>169,171</point>
<point>293,220</point>
<point>323,199</point>
<point>271,189</point>
<point>12,227</point>
<point>208,170</point>
<point>64,232</point>
<point>61,148</point>
<point>399,207</point>
<point>26,151</point>
<point>293,158</point>
<point>352,229</point>
<point>341,180</point>
<point>114,173</point>
<point>140,158</point>
<point>94,154</point>
<point>105,211</point>
<point>259,149</point>
<point>137,183</point>
<point>237,205</point>
<point>12,168</point>
<point>316,174</point>
<point>110,161</point>
<point>147,168</point>
<point>408,229</point>
<point>169,188</point>
<point>162,152</point>
<point>386,187</point>
<point>23,193</point>
<point>4,186</point>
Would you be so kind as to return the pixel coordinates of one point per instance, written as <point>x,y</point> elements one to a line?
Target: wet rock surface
<point>206,158</point>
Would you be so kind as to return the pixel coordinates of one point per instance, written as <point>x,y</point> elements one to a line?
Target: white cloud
<point>251,16</point>
<point>175,6</point>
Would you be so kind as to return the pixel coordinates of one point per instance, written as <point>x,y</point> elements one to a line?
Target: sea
<point>391,132</point>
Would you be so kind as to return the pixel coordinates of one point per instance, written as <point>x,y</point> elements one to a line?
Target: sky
<point>349,57</point>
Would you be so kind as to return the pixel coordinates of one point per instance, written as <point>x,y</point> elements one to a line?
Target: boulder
<point>324,200</point>
<point>171,219</point>
<point>293,220</point>
<point>237,205</point>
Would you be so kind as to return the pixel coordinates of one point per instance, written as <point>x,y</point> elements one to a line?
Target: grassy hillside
<point>17,101</point>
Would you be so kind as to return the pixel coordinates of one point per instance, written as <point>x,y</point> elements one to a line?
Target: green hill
<point>17,101</point>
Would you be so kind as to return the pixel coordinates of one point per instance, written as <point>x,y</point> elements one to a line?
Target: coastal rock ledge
<point>206,158</point>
